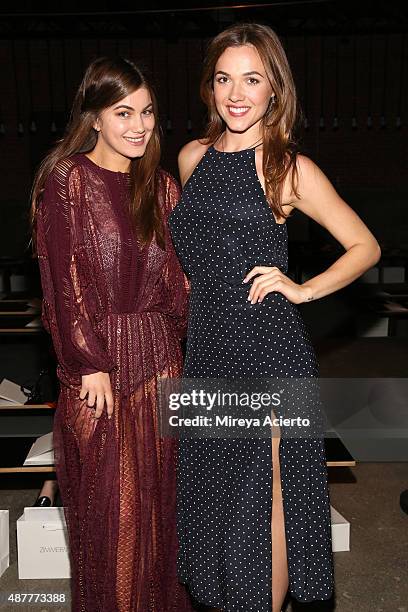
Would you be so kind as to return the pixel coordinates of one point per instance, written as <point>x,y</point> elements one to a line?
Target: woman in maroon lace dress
<point>115,302</point>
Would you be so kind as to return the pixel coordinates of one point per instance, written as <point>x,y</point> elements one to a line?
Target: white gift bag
<point>4,541</point>
<point>42,543</point>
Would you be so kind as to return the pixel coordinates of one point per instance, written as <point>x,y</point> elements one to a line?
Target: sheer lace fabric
<point>112,305</point>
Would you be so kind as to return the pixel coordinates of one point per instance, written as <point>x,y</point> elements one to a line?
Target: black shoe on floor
<point>43,502</point>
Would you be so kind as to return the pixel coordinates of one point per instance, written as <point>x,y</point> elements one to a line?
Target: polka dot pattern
<point>222,227</point>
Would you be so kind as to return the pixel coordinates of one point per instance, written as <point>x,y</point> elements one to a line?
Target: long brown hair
<point>279,145</point>
<point>106,82</point>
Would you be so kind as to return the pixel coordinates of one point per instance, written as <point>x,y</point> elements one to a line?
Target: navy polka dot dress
<point>222,227</point>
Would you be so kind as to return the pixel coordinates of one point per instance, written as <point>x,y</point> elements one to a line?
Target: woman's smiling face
<point>126,127</point>
<point>242,91</point>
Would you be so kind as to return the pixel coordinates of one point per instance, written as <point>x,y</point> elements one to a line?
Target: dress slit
<point>277,497</point>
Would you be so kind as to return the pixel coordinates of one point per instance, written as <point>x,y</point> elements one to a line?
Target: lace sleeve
<point>69,296</point>
<point>176,281</point>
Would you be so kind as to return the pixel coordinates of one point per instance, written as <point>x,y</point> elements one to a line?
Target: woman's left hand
<point>270,279</point>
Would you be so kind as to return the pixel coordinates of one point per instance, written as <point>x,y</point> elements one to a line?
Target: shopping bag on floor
<point>4,541</point>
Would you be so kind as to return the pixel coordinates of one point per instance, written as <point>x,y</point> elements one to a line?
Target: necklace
<point>221,139</point>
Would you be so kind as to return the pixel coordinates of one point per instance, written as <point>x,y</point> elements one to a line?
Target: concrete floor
<point>373,576</point>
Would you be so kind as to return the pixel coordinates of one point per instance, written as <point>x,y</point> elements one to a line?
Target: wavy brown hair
<point>106,82</point>
<point>281,117</point>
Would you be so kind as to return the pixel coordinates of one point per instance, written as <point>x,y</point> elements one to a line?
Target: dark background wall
<point>349,62</point>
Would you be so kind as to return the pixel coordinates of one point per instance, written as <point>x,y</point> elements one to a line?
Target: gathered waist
<point>134,313</point>
<point>142,344</point>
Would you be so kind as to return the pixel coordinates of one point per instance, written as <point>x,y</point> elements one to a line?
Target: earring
<point>273,97</point>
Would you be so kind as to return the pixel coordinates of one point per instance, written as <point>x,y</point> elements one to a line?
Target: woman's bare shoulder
<point>189,157</point>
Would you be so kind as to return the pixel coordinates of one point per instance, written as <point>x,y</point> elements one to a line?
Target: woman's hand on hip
<point>97,387</point>
<point>269,279</point>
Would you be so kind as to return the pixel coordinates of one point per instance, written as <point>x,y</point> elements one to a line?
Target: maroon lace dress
<point>113,305</point>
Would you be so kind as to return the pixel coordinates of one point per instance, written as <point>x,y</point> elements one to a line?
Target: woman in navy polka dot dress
<point>254,514</point>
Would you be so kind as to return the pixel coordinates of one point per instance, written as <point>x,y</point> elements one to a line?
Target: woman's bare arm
<point>320,201</point>
<point>188,159</point>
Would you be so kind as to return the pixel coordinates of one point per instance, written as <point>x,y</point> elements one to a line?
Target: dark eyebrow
<point>253,72</point>
<point>123,106</point>
<point>131,107</point>
<point>244,74</point>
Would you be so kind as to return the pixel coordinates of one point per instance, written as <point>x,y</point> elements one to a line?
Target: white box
<point>11,393</point>
<point>340,529</point>
<point>42,544</point>
<point>42,451</point>
<point>4,541</point>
